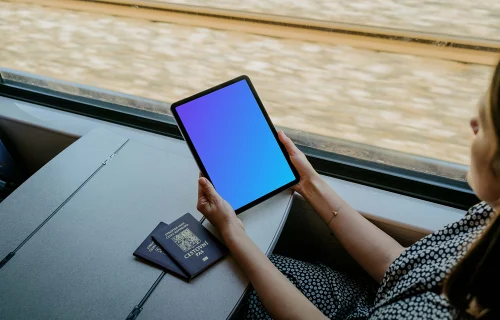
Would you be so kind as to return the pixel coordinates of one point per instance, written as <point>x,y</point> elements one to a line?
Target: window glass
<point>331,90</point>
<point>476,19</point>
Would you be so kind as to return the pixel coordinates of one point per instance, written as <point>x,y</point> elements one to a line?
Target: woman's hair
<point>495,116</point>
<point>475,280</point>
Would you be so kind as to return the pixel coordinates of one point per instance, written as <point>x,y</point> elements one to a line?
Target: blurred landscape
<point>396,101</point>
<point>475,19</point>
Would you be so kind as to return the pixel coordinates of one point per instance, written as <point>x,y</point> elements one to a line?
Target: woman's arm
<point>280,297</point>
<point>372,248</point>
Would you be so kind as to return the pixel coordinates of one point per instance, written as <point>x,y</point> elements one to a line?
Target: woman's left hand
<point>217,210</point>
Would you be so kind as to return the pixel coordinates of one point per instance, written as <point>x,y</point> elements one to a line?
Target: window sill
<point>403,212</point>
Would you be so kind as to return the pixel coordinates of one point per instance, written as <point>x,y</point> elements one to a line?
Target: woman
<point>452,273</point>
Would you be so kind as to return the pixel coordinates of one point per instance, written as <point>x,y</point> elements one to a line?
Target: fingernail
<point>203,180</point>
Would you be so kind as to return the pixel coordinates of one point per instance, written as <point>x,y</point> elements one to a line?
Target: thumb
<point>208,188</point>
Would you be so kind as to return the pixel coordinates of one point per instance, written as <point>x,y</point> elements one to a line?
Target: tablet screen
<point>235,144</point>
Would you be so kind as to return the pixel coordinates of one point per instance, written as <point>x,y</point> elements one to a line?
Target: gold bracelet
<point>335,213</point>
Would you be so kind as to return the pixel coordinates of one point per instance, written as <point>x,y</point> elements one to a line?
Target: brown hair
<point>475,280</point>
<point>495,115</point>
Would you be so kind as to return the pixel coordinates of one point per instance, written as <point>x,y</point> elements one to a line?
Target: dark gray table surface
<point>79,264</point>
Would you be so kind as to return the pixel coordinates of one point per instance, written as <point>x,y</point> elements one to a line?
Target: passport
<point>190,245</point>
<point>150,251</point>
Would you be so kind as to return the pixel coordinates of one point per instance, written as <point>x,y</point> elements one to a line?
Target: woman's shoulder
<point>472,223</point>
<point>426,305</point>
<point>482,210</point>
<point>454,235</point>
<point>424,265</point>
<point>468,227</point>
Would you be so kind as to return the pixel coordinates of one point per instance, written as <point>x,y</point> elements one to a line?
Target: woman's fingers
<point>203,201</point>
<point>297,157</point>
<point>208,189</point>
<point>290,147</point>
<point>200,190</point>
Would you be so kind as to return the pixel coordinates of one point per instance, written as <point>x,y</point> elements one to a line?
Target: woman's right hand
<point>307,173</point>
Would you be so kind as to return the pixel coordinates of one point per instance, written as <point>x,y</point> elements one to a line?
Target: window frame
<point>420,185</point>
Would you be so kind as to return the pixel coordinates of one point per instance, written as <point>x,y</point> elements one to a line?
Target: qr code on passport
<point>186,240</point>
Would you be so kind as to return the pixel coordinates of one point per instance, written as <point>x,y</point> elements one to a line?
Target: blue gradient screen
<point>235,144</point>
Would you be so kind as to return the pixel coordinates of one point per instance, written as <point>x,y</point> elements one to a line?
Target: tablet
<point>235,144</point>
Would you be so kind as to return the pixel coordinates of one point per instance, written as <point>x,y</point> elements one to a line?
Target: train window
<point>386,82</point>
<point>475,19</point>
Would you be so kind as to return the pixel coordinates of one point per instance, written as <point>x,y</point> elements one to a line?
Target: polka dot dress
<point>337,295</point>
<point>411,287</point>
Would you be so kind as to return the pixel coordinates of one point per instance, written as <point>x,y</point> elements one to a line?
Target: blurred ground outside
<point>400,102</point>
<point>465,18</point>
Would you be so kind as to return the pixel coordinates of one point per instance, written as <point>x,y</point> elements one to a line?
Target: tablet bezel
<point>184,133</point>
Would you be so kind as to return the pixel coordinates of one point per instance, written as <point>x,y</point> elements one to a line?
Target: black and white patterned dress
<point>411,287</point>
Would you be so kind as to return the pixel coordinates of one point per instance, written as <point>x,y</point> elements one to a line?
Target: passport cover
<point>189,244</point>
<point>150,251</point>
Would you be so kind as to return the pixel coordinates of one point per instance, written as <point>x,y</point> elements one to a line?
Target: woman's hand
<point>217,210</point>
<point>279,296</point>
<point>307,173</point>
